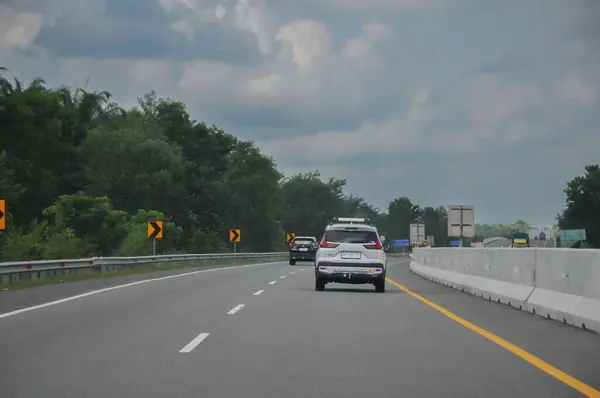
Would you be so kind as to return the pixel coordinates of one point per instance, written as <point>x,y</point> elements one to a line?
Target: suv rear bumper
<point>348,275</point>
<point>302,256</point>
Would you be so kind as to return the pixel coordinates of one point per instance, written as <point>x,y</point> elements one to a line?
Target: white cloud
<point>308,73</point>
<point>493,102</point>
<point>305,42</point>
<point>18,29</point>
<point>189,14</point>
<point>383,5</point>
<point>575,89</point>
<point>399,134</point>
<point>220,11</point>
<point>252,16</point>
<point>361,52</point>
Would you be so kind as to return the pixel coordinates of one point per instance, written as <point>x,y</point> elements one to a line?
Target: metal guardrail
<point>106,264</point>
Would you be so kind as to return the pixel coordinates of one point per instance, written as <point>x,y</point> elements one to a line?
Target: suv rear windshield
<point>356,236</point>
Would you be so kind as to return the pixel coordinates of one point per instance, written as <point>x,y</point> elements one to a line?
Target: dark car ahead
<point>303,248</point>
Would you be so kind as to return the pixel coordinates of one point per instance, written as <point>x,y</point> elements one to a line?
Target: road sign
<point>2,214</point>
<point>569,235</point>
<point>400,243</point>
<point>155,229</point>
<point>289,236</point>
<point>235,235</point>
<point>461,221</point>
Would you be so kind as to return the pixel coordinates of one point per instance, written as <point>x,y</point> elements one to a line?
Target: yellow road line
<point>532,359</point>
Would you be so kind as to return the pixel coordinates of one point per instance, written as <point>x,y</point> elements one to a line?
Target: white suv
<point>350,252</point>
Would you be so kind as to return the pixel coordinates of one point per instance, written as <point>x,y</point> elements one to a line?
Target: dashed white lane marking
<point>282,277</point>
<point>258,292</point>
<point>236,309</point>
<point>108,289</point>
<point>194,343</point>
<point>272,282</point>
<point>302,269</point>
<point>292,273</point>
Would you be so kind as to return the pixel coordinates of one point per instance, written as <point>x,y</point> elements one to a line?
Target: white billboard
<point>461,221</point>
<point>417,234</point>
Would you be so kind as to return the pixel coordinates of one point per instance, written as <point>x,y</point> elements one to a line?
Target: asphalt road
<point>264,332</point>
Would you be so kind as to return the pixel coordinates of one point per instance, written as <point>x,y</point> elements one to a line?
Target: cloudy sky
<point>483,102</point>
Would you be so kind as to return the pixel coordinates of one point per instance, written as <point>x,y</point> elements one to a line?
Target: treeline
<point>582,207</point>
<point>483,231</point>
<point>82,176</point>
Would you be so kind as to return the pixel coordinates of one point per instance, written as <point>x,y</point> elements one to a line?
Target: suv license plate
<point>351,255</point>
<point>303,249</point>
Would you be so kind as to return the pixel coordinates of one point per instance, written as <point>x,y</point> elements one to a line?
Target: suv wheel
<point>380,285</point>
<point>292,262</point>
<point>319,284</point>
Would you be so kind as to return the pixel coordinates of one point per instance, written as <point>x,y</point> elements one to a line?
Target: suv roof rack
<point>351,220</point>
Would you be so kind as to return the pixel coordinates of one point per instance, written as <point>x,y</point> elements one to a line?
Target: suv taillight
<point>327,245</point>
<point>374,246</point>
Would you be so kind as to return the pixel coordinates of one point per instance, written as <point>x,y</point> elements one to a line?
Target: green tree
<point>137,169</point>
<point>136,241</point>
<point>582,209</point>
<point>310,203</point>
<point>90,218</point>
<point>254,196</point>
<point>401,213</point>
<point>436,224</point>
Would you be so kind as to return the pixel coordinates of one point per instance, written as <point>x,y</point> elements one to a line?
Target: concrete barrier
<point>561,284</point>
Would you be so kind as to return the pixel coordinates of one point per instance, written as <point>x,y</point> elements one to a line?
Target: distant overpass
<point>497,241</point>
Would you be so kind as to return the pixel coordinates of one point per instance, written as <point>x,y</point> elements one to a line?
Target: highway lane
<point>287,341</point>
<point>11,300</point>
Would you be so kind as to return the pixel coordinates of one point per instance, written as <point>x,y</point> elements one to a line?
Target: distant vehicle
<point>350,252</point>
<point>303,248</point>
<point>542,236</point>
<point>519,243</point>
<point>521,237</point>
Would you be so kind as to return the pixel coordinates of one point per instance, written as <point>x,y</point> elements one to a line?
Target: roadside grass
<point>132,270</point>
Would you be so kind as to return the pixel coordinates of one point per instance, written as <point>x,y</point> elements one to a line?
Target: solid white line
<point>259,292</point>
<point>108,289</point>
<point>292,273</point>
<point>272,282</point>
<point>194,343</point>
<point>282,277</point>
<point>236,309</point>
